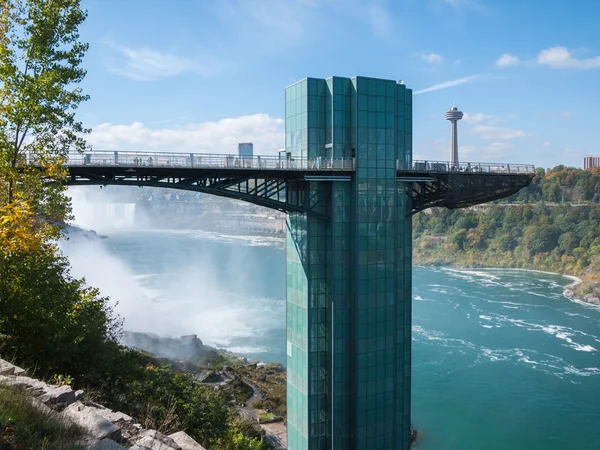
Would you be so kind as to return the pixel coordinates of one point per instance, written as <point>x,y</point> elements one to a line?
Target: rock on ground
<point>155,440</point>
<point>92,422</point>
<point>185,441</point>
<point>7,368</point>
<point>106,444</point>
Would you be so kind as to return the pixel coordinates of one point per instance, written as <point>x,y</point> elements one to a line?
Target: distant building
<point>246,150</point>
<point>591,162</point>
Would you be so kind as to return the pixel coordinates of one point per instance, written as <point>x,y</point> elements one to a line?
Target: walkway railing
<point>204,160</point>
<point>445,166</point>
<point>103,158</point>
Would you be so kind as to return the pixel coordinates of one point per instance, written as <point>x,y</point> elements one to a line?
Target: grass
<point>24,427</point>
<point>271,380</point>
<point>267,417</point>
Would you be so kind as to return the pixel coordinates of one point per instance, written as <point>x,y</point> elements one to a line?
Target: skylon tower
<point>454,115</point>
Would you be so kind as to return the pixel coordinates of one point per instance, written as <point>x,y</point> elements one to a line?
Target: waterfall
<point>120,215</point>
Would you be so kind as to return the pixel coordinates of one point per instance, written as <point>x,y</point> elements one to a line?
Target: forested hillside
<point>559,185</point>
<point>553,225</point>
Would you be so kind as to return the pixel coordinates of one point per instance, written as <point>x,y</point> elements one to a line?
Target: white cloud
<point>547,144</point>
<point>561,58</point>
<point>490,119</point>
<point>480,117</point>
<point>507,60</point>
<point>566,114</point>
<point>431,58</point>
<point>266,132</point>
<point>497,133</point>
<point>492,152</point>
<point>447,84</point>
<point>146,64</point>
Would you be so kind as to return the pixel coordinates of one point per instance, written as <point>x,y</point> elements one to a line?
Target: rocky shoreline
<point>571,292</point>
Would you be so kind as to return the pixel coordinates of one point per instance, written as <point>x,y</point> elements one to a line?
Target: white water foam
<point>245,350</point>
<point>550,364</point>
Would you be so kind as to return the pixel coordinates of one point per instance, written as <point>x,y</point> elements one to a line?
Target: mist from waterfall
<point>177,281</point>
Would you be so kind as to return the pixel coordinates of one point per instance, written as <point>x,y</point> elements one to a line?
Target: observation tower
<point>454,115</point>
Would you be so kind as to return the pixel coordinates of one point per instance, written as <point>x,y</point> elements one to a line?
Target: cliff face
<point>185,347</point>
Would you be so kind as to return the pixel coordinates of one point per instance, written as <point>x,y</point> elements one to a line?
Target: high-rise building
<point>246,150</point>
<point>349,278</point>
<point>454,115</point>
<point>591,162</point>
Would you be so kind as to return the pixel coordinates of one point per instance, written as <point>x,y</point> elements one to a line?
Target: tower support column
<point>349,276</point>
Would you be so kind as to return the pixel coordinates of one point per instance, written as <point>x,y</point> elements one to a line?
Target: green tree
<point>40,69</point>
<point>540,238</point>
<point>567,242</point>
<point>50,320</point>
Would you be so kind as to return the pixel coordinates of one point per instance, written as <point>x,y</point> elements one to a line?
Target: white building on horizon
<point>591,162</point>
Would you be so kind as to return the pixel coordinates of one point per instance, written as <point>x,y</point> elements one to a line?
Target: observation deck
<point>263,179</point>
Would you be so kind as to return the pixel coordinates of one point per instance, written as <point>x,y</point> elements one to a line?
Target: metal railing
<point>103,158</point>
<point>468,167</point>
<point>203,160</point>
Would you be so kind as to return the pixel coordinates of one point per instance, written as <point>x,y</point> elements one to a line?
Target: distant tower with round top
<point>454,115</point>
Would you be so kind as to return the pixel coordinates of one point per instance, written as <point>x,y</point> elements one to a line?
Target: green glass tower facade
<point>349,277</point>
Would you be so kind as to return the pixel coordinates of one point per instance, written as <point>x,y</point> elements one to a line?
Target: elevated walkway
<point>283,184</point>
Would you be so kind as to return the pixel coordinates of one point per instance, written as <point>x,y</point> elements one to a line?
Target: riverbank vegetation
<point>53,324</point>
<point>552,225</point>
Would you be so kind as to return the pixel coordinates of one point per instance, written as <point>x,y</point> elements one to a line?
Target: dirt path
<point>276,435</point>
<point>248,412</point>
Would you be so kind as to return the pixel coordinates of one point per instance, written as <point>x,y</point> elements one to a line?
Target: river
<point>501,359</point>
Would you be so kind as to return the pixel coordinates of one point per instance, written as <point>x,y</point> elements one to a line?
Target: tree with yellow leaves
<point>40,69</point>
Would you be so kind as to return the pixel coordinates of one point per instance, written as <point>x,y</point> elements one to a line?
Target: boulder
<point>185,441</point>
<point>129,429</point>
<point>40,406</point>
<point>106,444</point>
<point>45,393</point>
<point>154,440</point>
<point>91,421</point>
<point>29,385</point>
<point>54,395</point>
<point>114,417</point>
<point>7,368</point>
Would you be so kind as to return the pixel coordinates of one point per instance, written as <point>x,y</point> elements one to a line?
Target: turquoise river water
<point>501,358</point>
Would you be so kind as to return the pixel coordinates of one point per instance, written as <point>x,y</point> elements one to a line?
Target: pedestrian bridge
<point>220,161</point>
<point>284,183</point>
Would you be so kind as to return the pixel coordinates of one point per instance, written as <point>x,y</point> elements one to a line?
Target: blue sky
<point>202,75</point>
